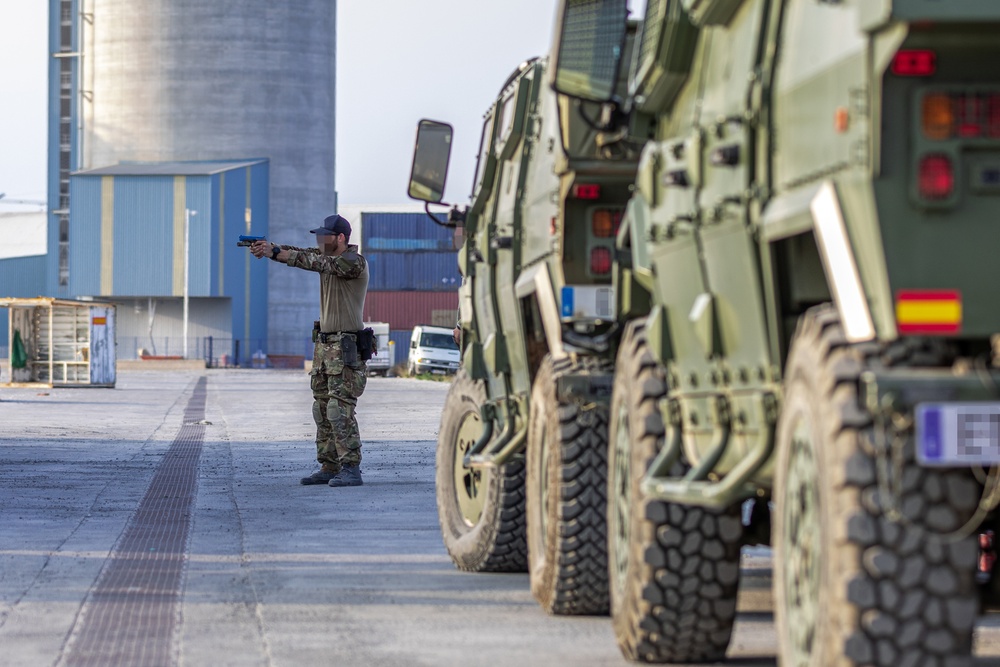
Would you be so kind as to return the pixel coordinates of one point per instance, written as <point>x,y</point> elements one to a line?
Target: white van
<point>433,350</point>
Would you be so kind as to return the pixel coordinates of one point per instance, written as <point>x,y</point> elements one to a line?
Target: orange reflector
<point>929,311</point>
<point>938,117</point>
<point>841,120</point>
<point>600,261</point>
<point>603,223</point>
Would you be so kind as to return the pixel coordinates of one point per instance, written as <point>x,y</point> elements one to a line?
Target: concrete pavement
<point>272,572</point>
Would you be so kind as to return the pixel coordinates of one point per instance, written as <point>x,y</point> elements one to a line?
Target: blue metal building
<point>128,223</point>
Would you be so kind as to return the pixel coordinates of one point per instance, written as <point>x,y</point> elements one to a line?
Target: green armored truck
<point>521,459</point>
<point>806,289</point>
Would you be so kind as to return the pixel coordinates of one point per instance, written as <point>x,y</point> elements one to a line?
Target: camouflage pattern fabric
<point>336,388</point>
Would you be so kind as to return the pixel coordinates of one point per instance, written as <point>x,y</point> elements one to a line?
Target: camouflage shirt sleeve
<point>348,266</point>
<point>297,249</point>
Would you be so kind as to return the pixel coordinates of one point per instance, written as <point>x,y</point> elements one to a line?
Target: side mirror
<point>588,48</point>
<point>430,161</point>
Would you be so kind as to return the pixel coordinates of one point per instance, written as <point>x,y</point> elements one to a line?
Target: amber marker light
<point>603,223</point>
<point>938,117</point>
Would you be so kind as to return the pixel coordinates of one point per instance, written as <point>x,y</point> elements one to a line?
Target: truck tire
<point>566,479</point>
<point>481,510</point>
<point>674,568</point>
<point>848,580</point>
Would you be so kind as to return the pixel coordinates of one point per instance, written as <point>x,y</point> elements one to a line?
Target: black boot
<point>321,476</point>
<point>349,475</point>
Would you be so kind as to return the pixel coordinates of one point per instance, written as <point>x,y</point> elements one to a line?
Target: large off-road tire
<point>567,473</point>
<point>674,568</point>
<point>481,510</point>
<point>851,586</point>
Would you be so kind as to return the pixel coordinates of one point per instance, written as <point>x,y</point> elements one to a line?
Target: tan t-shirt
<point>342,288</point>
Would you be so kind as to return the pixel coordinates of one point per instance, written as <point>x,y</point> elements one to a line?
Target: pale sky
<point>397,61</point>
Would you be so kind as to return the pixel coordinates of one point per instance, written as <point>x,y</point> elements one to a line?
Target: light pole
<point>187,261</point>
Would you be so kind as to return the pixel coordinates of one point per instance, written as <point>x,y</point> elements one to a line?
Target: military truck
<point>521,469</point>
<point>806,282</point>
<point>802,288</point>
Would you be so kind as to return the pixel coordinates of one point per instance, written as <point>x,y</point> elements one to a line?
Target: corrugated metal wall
<point>144,249</point>
<point>401,347</point>
<point>435,271</point>
<point>383,231</point>
<point>405,310</point>
<point>21,277</point>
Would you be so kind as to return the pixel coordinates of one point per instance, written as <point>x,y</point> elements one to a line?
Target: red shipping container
<point>405,310</point>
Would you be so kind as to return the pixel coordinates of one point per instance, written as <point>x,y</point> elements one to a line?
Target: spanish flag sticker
<point>929,311</point>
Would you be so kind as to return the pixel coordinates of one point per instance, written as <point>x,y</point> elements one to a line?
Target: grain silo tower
<point>180,80</point>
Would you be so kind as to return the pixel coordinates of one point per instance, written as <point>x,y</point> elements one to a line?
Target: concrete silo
<point>173,80</point>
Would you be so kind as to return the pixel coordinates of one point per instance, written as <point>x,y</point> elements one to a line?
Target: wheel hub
<point>469,484</point>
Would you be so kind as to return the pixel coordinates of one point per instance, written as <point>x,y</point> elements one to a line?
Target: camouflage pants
<point>336,389</point>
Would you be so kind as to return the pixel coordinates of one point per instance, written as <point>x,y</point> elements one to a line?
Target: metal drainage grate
<point>130,616</point>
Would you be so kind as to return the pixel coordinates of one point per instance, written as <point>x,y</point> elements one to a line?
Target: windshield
<point>445,341</point>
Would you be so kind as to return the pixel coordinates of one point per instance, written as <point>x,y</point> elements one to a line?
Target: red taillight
<point>600,261</point>
<point>969,116</point>
<point>915,62</point>
<point>993,117</point>
<point>937,177</point>
<point>587,191</point>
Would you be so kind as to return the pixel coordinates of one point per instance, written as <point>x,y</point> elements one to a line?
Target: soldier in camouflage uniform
<point>338,375</point>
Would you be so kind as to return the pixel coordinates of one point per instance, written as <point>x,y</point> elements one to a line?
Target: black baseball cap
<point>333,225</point>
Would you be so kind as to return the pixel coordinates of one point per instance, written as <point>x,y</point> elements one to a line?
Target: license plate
<point>958,434</point>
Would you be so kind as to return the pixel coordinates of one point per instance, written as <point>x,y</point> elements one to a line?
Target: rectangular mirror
<point>430,161</point>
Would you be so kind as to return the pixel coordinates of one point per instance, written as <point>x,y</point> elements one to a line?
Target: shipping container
<point>401,345</point>
<point>435,271</point>
<point>405,310</point>
<point>378,227</point>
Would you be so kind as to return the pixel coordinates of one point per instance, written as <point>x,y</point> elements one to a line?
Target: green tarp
<point>18,357</point>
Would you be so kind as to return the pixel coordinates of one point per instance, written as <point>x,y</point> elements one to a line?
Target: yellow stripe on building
<point>180,201</point>
<point>929,312</point>
<point>107,235</point>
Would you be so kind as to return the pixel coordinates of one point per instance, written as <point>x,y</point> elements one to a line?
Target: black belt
<point>330,337</point>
